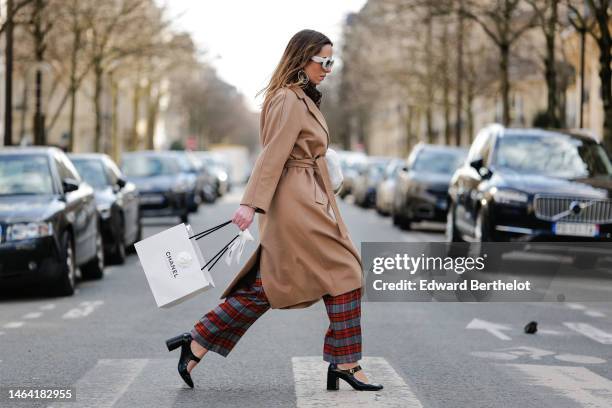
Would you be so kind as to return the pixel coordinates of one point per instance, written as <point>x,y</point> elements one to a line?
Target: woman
<point>305,252</point>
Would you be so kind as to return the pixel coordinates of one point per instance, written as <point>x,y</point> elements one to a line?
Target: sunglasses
<point>326,62</point>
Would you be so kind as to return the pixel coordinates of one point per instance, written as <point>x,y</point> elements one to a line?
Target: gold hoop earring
<point>302,77</point>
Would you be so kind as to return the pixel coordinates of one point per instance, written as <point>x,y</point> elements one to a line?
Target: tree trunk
<point>76,43</point>
<point>459,78</point>
<point>152,114</point>
<point>116,142</point>
<point>134,140</point>
<point>446,85</point>
<point>550,66</point>
<point>24,111</point>
<point>98,72</point>
<point>605,73</point>
<point>504,50</point>
<point>429,83</point>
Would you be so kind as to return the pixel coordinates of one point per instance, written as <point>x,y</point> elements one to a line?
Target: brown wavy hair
<point>301,47</point>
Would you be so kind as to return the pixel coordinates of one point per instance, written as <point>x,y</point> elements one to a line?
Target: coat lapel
<point>313,109</point>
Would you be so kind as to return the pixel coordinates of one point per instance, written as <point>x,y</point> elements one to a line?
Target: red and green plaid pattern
<point>220,329</point>
<point>343,337</point>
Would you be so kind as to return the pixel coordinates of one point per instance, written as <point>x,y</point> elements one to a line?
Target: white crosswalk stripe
<point>105,383</point>
<point>576,383</point>
<point>591,332</point>
<point>123,383</point>
<point>310,389</point>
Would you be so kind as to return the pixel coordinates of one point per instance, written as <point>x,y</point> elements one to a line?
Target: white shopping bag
<point>173,265</point>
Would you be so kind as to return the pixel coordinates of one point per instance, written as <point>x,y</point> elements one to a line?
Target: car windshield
<point>25,174</point>
<point>559,156</point>
<point>438,161</point>
<point>149,166</point>
<point>92,170</point>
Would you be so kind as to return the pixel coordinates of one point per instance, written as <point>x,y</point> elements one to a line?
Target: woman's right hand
<point>243,217</point>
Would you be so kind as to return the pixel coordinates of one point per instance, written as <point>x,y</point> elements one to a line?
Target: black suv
<point>532,185</point>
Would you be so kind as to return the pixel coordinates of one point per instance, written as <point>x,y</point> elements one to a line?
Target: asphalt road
<point>107,341</point>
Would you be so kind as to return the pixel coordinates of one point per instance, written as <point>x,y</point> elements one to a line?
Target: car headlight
<point>222,176</point>
<point>16,232</point>
<point>104,210</point>
<point>505,196</point>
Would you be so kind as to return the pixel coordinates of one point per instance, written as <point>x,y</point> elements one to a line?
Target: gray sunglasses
<point>326,62</point>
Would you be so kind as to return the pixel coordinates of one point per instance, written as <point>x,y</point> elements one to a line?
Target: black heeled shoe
<point>184,341</point>
<point>334,374</point>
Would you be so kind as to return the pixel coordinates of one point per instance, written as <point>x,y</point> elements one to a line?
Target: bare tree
<point>504,21</point>
<point>599,12</point>
<point>546,12</point>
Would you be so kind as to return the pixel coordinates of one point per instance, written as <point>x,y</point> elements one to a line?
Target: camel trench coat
<point>305,250</point>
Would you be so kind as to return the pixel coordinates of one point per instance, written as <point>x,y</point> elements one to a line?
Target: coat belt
<point>320,164</point>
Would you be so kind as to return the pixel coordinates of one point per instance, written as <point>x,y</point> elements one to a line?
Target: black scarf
<point>311,90</point>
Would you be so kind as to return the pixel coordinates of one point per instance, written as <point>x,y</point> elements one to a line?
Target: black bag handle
<point>219,254</point>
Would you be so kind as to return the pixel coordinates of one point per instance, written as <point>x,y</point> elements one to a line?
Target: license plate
<point>151,199</point>
<point>576,229</point>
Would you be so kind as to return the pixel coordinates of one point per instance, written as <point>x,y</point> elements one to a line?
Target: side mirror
<point>479,166</point>
<point>121,182</point>
<point>70,184</point>
<point>405,169</point>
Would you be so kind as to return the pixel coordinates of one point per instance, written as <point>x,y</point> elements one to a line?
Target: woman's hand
<point>243,217</point>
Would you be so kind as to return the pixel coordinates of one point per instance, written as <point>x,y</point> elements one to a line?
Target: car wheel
<point>66,282</point>
<point>482,233</point>
<point>94,269</point>
<point>452,235</point>
<point>118,257</point>
<point>401,221</point>
<point>131,248</point>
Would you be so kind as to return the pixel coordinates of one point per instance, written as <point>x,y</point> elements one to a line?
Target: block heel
<point>174,342</point>
<point>333,382</point>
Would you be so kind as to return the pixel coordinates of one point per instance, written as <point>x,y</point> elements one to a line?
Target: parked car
<point>386,187</point>
<point>421,192</point>
<point>219,176</point>
<point>116,201</point>
<point>192,172</point>
<point>532,185</point>
<point>364,185</point>
<point>352,163</point>
<point>49,226</point>
<point>162,185</point>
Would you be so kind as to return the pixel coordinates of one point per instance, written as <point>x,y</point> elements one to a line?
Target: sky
<point>244,39</point>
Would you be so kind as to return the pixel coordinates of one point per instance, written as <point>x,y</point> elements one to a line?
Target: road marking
<point>594,313</point>
<point>493,328</point>
<point>573,358</point>
<point>33,315</point>
<point>48,306</point>
<point>309,374</point>
<point>84,309</point>
<point>513,353</point>
<point>13,325</point>
<point>105,383</point>
<point>577,383</point>
<point>553,332</point>
<point>591,332</point>
<point>575,306</point>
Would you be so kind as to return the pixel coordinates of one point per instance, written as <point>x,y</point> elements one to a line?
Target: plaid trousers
<point>220,329</point>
